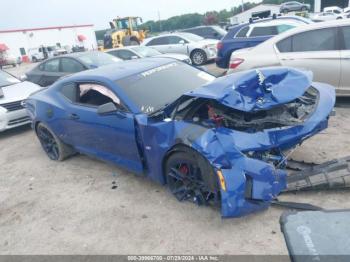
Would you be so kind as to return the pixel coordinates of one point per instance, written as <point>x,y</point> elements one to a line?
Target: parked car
<point>135,52</point>
<point>8,59</point>
<point>177,125</point>
<point>208,32</point>
<point>333,9</point>
<point>47,72</point>
<point>346,10</point>
<point>294,6</point>
<point>200,50</point>
<point>251,34</point>
<point>12,94</point>
<point>323,48</point>
<point>326,16</point>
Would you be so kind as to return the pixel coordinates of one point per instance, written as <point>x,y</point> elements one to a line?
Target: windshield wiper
<point>160,110</point>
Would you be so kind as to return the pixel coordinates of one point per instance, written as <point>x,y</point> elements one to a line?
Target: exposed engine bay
<point>210,113</point>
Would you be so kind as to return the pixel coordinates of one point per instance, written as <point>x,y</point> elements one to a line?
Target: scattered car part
<point>333,174</point>
<point>317,235</point>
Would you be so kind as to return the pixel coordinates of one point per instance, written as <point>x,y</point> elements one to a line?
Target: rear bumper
<point>13,119</point>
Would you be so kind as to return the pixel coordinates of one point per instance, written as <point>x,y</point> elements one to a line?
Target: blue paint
<point>140,144</point>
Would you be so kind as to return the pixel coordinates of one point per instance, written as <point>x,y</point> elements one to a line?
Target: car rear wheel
<point>190,177</point>
<point>198,57</point>
<point>52,145</point>
<point>34,59</point>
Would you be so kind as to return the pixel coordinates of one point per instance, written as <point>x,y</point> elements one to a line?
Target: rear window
<point>157,87</point>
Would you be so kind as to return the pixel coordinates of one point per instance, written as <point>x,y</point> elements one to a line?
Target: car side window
<point>346,34</point>
<point>90,94</point>
<point>69,65</point>
<point>70,91</point>
<point>285,45</point>
<point>158,41</point>
<point>243,32</point>
<point>52,65</point>
<point>263,31</point>
<point>315,40</point>
<point>282,28</point>
<point>174,40</point>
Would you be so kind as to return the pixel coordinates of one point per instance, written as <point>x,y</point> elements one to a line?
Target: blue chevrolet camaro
<point>211,140</point>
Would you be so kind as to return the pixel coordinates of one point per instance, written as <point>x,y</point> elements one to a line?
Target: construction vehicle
<point>124,32</point>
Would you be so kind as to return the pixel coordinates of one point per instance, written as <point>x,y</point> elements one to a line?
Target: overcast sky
<point>16,14</point>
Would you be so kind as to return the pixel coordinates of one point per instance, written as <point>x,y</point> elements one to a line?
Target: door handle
<point>74,116</point>
<point>287,59</point>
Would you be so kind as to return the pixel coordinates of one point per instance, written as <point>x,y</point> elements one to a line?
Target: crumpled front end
<point>245,135</point>
<point>252,163</point>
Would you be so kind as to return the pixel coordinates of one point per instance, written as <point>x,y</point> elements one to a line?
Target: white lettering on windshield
<point>158,69</point>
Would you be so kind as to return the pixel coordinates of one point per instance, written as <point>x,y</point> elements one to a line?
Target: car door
<point>177,45</point>
<point>111,136</point>
<point>160,43</point>
<point>345,61</point>
<point>315,50</point>
<point>50,72</point>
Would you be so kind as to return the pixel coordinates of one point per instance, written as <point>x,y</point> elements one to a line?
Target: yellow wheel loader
<point>124,32</point>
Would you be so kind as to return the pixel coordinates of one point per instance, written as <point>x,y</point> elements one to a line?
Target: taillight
<point>219,45</point>
<point>235,62</point>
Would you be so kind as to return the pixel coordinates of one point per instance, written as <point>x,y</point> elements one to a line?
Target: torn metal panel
<point>257,89</point>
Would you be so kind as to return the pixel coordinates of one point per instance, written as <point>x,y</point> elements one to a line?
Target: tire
<point>54,148</point>
<point>338,18</point>
<point>198,57</point>
<point>34,60</point>
<point>190,176</point>
<point>285,11</point>
<point>303,9</point>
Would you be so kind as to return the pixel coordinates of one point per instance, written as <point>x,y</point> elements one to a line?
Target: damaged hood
<point>257,89</point>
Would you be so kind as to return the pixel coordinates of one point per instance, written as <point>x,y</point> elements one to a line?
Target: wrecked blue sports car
<point>223,141</point>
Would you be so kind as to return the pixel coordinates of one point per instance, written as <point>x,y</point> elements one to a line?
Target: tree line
<point>209,18</point>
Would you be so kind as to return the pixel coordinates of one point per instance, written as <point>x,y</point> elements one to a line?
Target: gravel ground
<point>69,207</point>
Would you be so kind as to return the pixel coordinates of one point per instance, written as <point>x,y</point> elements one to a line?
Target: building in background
<point>19,41</point>
<point>259,9</point>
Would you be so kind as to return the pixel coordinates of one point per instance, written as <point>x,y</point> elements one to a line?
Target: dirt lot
<point>70,207</point>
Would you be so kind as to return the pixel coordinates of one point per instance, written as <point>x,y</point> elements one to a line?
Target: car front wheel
<point>198,57</point>
<point>190,177</point>
<point>52,145</point>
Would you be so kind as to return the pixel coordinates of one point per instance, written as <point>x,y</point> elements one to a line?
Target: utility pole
<point>242,6</point>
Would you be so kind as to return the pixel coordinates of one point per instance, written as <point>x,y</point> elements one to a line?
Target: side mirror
<point>182,42</point>
<point>23,78</point>
<point>106,108</point>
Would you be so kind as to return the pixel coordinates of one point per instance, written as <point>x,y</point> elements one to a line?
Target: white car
<point>323,48</point>
<point>200,50</point>
<point>12,94</point>
<point>326,16</point>
<point>135,52</point>
<point>333,9</point>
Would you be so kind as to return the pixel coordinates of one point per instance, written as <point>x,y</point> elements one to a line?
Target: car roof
<point>123,69</point>
<point>184,34</point>
<point>303,28</point>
